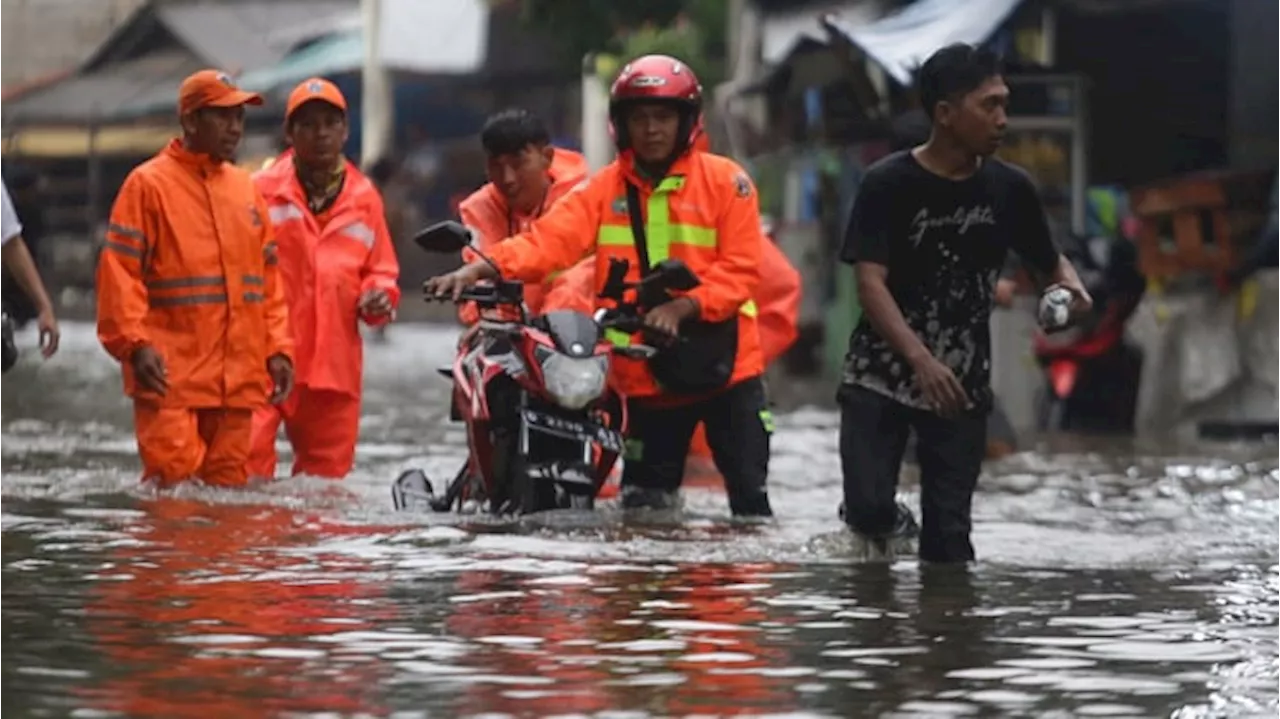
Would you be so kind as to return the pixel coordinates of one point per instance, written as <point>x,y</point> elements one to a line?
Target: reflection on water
<point>1114,581</point>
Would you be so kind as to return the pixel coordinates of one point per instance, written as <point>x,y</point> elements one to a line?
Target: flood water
<point>1114,580</point>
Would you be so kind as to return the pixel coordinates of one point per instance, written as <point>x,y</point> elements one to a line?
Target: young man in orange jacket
<point>527,176</point>
<point>189,297</point>
<point>661,198</point>
<point>339,268</point>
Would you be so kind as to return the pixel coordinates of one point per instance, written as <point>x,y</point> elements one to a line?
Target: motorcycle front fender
<point>1062,377</point>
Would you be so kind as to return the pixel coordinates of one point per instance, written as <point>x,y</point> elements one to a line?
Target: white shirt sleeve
<point>10,226</point>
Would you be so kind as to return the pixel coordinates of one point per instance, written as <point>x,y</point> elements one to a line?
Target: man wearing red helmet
<point>661,198</point>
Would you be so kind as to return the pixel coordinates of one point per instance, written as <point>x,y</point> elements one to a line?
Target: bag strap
<point>637,227</point>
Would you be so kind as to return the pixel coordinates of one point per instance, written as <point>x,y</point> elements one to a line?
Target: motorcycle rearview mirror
<point>673,274</point>
<point>450,236</point>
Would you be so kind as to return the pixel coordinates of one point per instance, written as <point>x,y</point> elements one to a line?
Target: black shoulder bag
<point>703,359</point>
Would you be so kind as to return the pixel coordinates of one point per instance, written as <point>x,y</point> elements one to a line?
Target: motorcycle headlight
<point>574,381</point>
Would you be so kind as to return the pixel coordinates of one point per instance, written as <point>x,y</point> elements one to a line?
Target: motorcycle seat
<point>445,371</point>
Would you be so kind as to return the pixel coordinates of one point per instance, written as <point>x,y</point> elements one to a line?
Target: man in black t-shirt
<point>930,231</point>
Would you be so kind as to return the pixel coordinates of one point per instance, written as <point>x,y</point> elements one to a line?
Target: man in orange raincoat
<point>778,297</point>
<point>189,298</point>
<point>339,267</point>
<point>526,177</point>
<point>663,199</point>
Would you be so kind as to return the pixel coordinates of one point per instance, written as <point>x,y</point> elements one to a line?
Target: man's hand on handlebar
<point>666,317</point>
<point>453,284</point>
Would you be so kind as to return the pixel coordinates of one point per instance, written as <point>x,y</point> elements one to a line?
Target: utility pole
<point>377,101</point>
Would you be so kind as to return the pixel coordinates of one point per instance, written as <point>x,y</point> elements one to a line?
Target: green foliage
<point>692,30</point>
<point>681,41</point>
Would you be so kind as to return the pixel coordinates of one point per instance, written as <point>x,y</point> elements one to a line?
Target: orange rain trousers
<point>179,443</point>
<point>321,426</point>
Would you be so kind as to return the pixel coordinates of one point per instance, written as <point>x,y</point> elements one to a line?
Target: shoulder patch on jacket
<point>742,184</point>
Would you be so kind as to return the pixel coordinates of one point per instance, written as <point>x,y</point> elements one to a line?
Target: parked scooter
<point>544,428</point>
<point>1091,371</point>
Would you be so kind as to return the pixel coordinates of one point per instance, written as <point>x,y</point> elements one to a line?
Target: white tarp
<point>782,31</point>
<point>903,40</point>
<point>439,36</point>
<point>1206,360</point>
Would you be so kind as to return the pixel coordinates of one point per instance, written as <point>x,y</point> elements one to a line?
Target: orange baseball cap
<point>212,88</point>
<point>316,88</point>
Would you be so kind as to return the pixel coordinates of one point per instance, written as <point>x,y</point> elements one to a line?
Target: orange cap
<point>212,88</point>
<point>316,88</point>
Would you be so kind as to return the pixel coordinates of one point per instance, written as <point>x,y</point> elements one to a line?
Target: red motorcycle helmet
<point>656,78</point>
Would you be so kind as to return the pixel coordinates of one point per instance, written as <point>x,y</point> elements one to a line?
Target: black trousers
<point>873,436</point>
<point>738,428</point>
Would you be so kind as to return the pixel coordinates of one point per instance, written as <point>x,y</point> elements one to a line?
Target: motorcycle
<point>544,428</point>
<point>1091,371</point>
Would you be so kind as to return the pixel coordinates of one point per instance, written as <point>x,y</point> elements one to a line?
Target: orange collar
<point>680,168</point>
<point>202,164</point>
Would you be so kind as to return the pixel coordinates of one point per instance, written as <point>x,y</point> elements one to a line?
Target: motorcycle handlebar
<point>631,324</point>
<point>502,293</point>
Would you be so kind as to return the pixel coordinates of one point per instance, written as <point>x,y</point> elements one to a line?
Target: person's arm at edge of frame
<point>16,257</point>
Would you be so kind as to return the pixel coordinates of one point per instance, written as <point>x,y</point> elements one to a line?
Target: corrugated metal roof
<point>102,94</point>
<point>241,36</point>
<point>255,40</point>
<point>418,36</point>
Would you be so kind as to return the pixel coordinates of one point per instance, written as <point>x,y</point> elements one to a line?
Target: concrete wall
<point>41,37</point>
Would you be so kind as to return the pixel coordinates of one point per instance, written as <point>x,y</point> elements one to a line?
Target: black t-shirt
<point>944,243</point>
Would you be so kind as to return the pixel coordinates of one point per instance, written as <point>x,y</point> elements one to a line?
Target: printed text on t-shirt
<point>962,219</point>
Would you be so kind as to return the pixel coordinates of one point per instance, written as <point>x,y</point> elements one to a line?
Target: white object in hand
<point>1055,307</point>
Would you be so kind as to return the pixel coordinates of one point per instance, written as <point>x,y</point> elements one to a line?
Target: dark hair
<point>511,131</point>
<point>953,72</point>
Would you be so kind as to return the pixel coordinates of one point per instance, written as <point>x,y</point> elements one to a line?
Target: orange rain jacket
<point>705,212</point>
<point>204,292</point>
<point>779,298</point>
<point>327,268</point>
<point>487,213</point>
